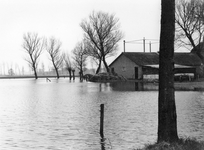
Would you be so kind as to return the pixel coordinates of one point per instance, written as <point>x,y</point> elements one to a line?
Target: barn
<point>137,65</point>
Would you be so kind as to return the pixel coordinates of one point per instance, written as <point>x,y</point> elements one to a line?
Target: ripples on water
<point>61,115</point>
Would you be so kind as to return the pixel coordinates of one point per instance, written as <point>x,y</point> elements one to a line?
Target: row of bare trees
<point>34,46</point>
<point>101,35</point>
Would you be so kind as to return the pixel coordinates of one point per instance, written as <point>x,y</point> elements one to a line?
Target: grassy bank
<point>187,144</point>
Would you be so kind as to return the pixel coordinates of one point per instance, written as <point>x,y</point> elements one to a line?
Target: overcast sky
<point>61,19</point>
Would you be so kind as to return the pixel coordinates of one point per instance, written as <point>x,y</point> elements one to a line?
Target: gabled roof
<point>144,59</point>
<point>187,59</point>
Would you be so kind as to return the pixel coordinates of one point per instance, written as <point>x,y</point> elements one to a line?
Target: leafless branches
<point>189,23</point>
<point>80,57</point>
<point>53,48</point>
<point>33,46</point>
<point>102,32</point>
<point>68,64</point>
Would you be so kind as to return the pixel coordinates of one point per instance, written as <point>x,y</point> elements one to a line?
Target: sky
<point>61,18</point>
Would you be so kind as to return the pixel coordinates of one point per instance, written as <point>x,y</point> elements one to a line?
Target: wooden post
<point>150,47</point>
<point>124,45</point>
<point>144,44</point>
<point>101,120</point>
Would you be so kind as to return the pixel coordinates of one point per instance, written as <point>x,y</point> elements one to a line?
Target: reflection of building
<point>136,65</point>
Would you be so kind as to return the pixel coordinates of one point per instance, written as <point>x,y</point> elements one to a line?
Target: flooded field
<point>59,115</point>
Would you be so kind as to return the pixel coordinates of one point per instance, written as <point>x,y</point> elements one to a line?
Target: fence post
<point>101,120</point>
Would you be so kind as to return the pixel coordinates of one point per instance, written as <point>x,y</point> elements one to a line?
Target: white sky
<point>61,19</point>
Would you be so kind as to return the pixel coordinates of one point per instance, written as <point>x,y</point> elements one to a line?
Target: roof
<point>187,59</point>
<point>144,59</point>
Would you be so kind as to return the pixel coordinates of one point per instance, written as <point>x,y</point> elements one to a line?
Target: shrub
<point>182,144</point>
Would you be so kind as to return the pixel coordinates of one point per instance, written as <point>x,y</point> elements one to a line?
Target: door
<point>136,72</point>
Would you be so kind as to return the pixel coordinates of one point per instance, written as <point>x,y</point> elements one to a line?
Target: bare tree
<point>33,46</point>
<point>68,64</point>
<point>95,54</point>
<point>102,31</point>
<point>53,48</point>
<point>80,57</point>
<point>189,23</point>
<point>167,118</point>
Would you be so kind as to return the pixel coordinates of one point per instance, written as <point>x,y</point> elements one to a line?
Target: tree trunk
<point>73,73</point>
<point>70,74</point>
<point>105,64</point>
<point>57,73</point>
<point>99,67</point>
<point>167,119</point>
<point>56,70</point>
<point>81,73</point>
<point>35,72</point>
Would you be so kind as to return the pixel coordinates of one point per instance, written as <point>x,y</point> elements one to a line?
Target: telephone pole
<point>144,44</point>
<point>124,45</point>
<point>150,46</point>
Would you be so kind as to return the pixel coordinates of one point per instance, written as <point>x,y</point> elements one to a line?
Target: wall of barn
<point>200,72</point>
<point>125,67</point>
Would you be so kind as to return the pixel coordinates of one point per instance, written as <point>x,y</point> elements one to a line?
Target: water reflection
<point>133,86</point>
<point>102,143</point>
<point>35,114</point>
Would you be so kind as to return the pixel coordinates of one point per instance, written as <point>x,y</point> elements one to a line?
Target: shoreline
<point>197,85</point>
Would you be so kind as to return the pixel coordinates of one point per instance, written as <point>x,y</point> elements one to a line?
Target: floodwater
<point>64,115</point>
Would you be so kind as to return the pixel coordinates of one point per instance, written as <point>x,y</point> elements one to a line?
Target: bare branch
<point>190,23</point>
<point>33,46</point>
<point>53,48</point>
<point>102,32</point>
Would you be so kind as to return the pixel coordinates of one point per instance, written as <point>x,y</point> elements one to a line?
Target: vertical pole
<point>144,44</point>
<point>101,120</point>
<point>150,46</point>
<point>124,45</point>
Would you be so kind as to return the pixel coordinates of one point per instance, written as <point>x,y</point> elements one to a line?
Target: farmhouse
<point>138,65</point>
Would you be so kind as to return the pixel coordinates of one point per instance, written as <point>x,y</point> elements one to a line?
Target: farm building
<point>138,65</point>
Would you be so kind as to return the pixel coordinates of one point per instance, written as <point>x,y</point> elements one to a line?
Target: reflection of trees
<point>127,86</point>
